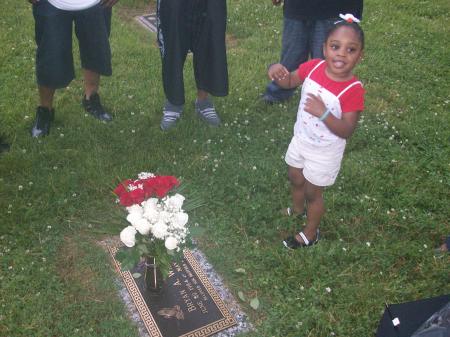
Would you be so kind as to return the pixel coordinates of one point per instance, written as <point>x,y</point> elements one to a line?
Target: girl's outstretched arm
<point>278,73</point>
<point>343,127</point>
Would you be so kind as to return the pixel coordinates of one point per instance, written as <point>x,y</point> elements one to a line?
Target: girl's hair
<point>353,25</point>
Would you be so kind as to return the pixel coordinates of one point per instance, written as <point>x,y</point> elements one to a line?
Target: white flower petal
<point>128,236</point>
<point>159,230</point>
<point>135,209</point>
<point>180,219</point>
<point>150,204</point>
<point>143,226</point>
<point>175,202</point>
<point>152,215</point>
<point>134,218</point>
<point>171,243</point>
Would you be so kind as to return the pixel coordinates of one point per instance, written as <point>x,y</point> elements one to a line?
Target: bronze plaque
<point>186,306</point>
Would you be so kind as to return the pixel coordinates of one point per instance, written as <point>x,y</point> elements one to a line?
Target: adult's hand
<point>108,3</point>
<point>277,2</point>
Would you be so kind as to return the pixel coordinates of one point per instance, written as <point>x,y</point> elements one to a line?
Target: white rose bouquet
<point>158,224</point>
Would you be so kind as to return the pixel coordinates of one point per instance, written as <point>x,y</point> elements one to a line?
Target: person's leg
<point>46,95</point>
<point>107,14</point>
<point>315,211</point>
<point>173,38</point>
<point>318,35</point>
<point>202,95</point>
<point>208,27</point>
<point>45,111</point>
<point>297,189</point>
<point>54,61</point>
<point>92,30</point>
<point>53,36</point>
<point>91,100</point>
<point>173,41</point>
<point>312,194</point>
<point>295,50</point>
<point>210,63</point>
<point>93,63</point>
<point>92,27</point>
<point>91,82</point>
<point>45,114</point>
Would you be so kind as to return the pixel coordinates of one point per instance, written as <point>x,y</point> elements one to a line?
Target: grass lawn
<point>387,211</point>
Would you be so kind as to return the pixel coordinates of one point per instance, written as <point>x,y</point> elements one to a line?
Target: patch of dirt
<point>79,278</point>
<point>109,241</point>
<point>231,41</point>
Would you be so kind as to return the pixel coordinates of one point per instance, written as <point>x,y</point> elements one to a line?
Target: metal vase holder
<point>152,275</point>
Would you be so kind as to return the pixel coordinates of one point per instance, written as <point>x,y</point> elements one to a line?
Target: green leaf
<point>121,254</point>
<point>254,303</point>
<point>128,258</point>
<point>137,275</point>
<point>143,249</point>
<point>127,264</point>
<point>240,270</point>
<point>241,296</point>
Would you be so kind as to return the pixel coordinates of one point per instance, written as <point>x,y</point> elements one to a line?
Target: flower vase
<point>152,275</point>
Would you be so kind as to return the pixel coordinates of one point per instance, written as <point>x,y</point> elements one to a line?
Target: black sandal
<point>290,212</point>
<point>292,243</point>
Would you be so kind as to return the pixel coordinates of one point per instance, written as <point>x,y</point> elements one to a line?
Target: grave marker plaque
<point>186,306</point>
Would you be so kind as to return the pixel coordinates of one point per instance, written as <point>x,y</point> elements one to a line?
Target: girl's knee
<point>313,193</point>
<point>296,177</point>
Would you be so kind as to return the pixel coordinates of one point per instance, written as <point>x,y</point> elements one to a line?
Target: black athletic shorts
<point>198,26</point>
<point>53,34</point>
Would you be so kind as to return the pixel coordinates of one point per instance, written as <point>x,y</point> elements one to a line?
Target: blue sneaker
<point>275,94</point>
<point>269,99</point>
<point>171,114</point>
<point>207,112</point>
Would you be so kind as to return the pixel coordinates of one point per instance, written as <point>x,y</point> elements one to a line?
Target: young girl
<point>331,101</point>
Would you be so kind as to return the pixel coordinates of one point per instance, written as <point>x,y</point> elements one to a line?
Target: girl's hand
<point>277,2</point>
<point>315,105</point>
<point>277,72</point>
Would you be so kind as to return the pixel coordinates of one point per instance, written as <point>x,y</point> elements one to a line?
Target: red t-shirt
<point>351,100</point>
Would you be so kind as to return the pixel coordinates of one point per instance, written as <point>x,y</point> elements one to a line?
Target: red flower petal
<point>137,195</point>
<point>126,200</point>
<point>122,187</point>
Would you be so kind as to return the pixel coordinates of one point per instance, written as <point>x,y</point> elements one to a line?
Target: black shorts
<point>198,26</point>
<point>53,34</point>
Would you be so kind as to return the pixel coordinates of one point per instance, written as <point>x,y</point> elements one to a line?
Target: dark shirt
<point>321,9</point>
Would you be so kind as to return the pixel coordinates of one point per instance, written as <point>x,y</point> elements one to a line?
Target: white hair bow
<point>349,18</point>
